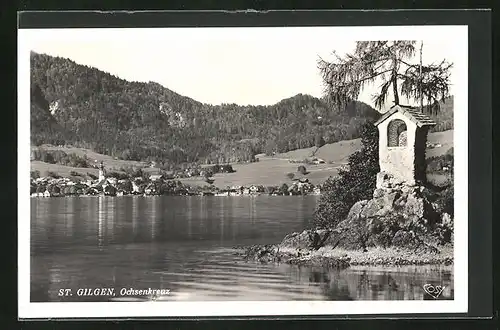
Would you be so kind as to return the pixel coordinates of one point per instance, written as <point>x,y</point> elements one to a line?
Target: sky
<point>257,66</point>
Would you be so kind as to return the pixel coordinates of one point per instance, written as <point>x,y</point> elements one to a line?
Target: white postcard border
<point>27,309</point>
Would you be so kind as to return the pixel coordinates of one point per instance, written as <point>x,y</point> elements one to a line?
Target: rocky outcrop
<point>292,256</point>
<point>398,215</point>
<point>311,239</point>
<point>403,224</point>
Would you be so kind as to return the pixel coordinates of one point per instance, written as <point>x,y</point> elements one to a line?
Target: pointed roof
<point>101,183</point>
<point>411,113</point>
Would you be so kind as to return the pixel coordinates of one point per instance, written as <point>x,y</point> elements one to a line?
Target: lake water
<point>183,244</point>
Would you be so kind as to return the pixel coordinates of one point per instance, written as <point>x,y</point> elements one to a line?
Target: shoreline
<point>180,195</point>
<point>329,256</point>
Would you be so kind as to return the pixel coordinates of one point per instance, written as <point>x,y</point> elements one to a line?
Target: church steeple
<point>101,172</point>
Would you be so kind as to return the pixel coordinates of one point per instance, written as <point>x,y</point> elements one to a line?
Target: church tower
<point>101,172</point>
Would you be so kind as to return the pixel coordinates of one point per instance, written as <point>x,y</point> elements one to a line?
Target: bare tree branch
<point>345,77</point>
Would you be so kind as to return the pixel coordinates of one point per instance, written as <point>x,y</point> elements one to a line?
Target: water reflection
<point>221,215</point>
<point>135,215</point>
<point>101,214</point>
<point>181,244</point>
<point>189,215</point>
<point>153,217</point>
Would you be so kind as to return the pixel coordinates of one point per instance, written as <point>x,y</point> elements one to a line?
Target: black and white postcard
<point>242,171</point>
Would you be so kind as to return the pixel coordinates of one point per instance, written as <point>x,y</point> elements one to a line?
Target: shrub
<point>302,169</point>
<point>271,189</point>
<point>35,174</point>
<point>53,175</point>
<point>74,173</point>
<point>117,175</point>
<point>92,176</point>
<point>74,160</point>
<point>354,183</point>
<point>283,189</point>
<point>137,173</point>
<point>54,189</point>
<point>208,173</point>
<point>59,157</point>
<point>48,158</point>
<point>227,168</point>
<point>446,198</point>
<point>290,176</point>
<point>319,141</point>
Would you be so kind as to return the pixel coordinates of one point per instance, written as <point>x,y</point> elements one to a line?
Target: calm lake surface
<point>183,244</point>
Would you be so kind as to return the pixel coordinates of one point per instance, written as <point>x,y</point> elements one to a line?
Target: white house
<point>155,177</point>
<point>135,187</point>
<point>112,181</point>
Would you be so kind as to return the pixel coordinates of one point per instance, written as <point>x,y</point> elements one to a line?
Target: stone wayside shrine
<point>402,142</point>
<point>400,212</point>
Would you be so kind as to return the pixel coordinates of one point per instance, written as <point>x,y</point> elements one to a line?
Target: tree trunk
<point>395,82</point>
<point>395,90</point>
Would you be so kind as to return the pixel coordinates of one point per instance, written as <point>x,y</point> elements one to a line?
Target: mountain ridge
<point>86,107</point>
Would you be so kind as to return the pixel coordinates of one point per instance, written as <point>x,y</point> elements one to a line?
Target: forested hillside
<point>84,107</point>
<point>442,116</point>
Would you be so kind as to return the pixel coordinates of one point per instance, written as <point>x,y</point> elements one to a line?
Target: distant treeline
<point>59,157</point>
<point>82,106</point>
<point>443,117</point>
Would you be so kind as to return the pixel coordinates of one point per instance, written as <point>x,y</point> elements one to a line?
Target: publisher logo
<point>433,290</point>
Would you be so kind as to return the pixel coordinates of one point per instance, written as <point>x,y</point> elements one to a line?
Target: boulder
<point>310,239</point>
<point>385,180</point>
<point>414,205</point>
<point>356,209</point>
<point>404,238</point>
<point>398,214</point>
<point>382,179</point>
<point>379,192</point>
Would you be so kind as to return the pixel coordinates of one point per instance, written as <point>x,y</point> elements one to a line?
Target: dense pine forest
<point>77,105</point>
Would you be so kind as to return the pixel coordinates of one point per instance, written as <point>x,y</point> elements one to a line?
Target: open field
<point>337,152</point>
<point>445,138</point>
<point>268,171</point>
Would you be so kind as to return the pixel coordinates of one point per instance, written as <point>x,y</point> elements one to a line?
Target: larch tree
<point>386,62</point>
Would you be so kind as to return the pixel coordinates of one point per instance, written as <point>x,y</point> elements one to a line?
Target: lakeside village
<point>156,184</point>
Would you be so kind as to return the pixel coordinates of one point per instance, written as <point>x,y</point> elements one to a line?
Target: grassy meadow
<point>268,171</point>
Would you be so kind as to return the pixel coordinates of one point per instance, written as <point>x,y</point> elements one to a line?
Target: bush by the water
<point>445,198</point>
<point>354,183</point>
